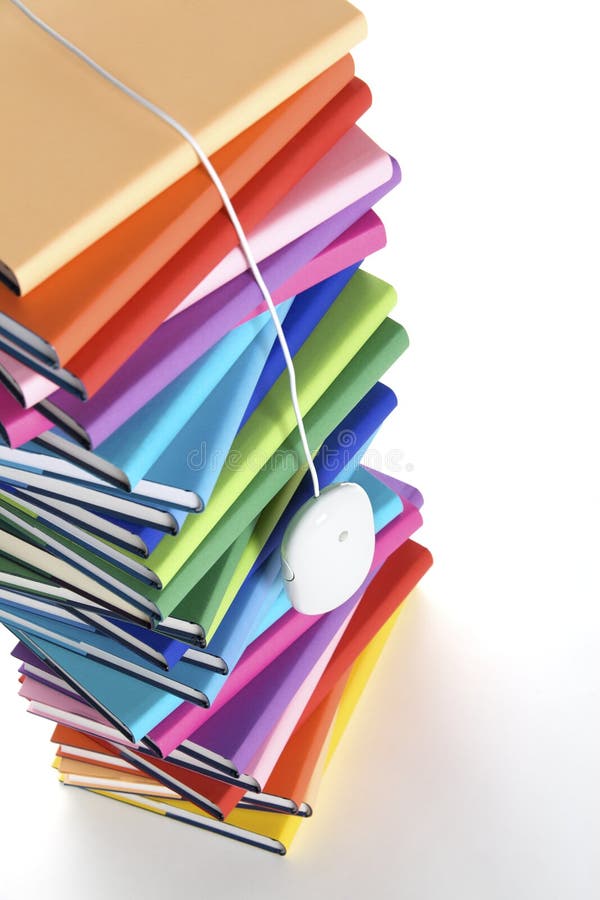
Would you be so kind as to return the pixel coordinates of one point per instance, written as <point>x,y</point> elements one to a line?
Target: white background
<point>471,769</point>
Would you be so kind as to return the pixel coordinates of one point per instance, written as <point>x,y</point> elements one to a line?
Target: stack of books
<point>151,459</point>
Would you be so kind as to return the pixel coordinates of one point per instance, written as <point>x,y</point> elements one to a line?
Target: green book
<point>352,319</point>
<point>203,600</point>
<point>258,537</point>
<point>365,369</point>
<point>26,567</point>
<point>108,579</point>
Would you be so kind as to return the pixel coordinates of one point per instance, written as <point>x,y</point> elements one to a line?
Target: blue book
<point>306,313</point>
<point>344,447</point>
<point>149,536</point>
<point>171,650</point>
<point>163,417</point>
<point>151,645</point>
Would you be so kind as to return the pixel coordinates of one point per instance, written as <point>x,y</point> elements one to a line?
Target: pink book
<point>34,691</point>
<point>264,760</point>
<point>355,166</point>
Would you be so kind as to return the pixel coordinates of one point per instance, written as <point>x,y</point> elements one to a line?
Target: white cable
<point>239,230</point>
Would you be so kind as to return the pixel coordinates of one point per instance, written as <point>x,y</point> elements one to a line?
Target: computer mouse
<point>328,548</point>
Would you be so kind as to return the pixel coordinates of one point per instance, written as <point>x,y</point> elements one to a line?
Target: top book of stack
<point>79,157</point>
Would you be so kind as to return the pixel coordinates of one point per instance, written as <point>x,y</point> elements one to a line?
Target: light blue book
<point>160,420</point>
<point>131,705</point>
<point>256,594</point>
<point>306,311</point>
<point>195,458</point>
<point>185,679</point>
<point>183,469</point>
<point>119,466</point>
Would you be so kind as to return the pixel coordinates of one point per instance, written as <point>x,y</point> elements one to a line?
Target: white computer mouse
<point>327,549</point>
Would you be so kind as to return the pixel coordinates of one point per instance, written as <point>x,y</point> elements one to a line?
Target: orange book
<point>296,766</point>
<point>83,156</point>
<point>77,767</point>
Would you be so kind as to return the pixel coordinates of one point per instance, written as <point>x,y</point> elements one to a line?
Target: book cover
<point>83,118</point>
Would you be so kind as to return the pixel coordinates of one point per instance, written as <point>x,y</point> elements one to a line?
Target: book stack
<point>151,459</point>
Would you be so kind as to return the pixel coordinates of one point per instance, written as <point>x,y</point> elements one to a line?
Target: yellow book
<point>79,156</point>
<point>357,682</point>
<point>353,690</point>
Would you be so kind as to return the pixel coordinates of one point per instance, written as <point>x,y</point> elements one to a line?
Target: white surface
<point>472,769</point>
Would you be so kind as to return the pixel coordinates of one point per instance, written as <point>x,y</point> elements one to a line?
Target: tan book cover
<point>78,156</point>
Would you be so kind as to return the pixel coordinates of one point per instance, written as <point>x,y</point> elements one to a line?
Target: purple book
<point>243,725</point>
